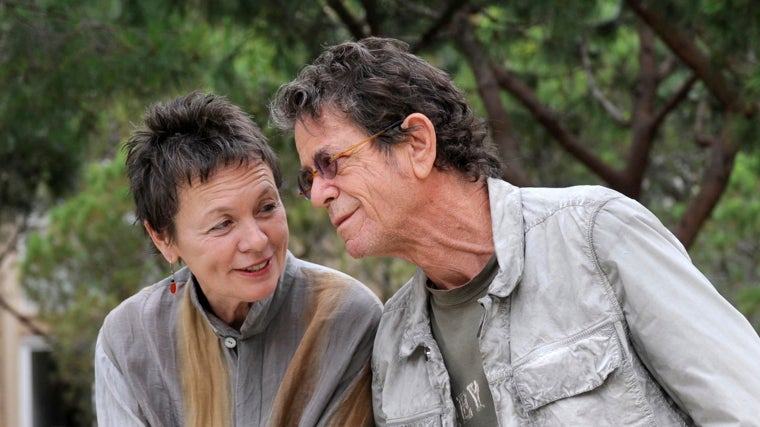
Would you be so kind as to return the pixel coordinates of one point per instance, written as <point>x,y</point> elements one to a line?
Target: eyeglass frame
<point>306,175</point>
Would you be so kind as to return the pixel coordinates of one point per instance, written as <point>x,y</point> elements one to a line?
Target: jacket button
<point>230,342</point>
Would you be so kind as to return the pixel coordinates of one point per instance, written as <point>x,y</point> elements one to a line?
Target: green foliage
<point>65,63</point>
<point>525,36</point>
<point>89,257</point>
<point>729,244</point>
<point>77,73</point>
<point>34,150</point>
<point>118,58</point>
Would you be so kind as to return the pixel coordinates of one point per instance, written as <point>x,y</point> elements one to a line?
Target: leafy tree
<point>88,256</point>
<point>64,63</point>
<point>657,101</point>
<point>654,100</point>
<point>77,74</point>
<point>76,271</point>
<point>732,232</point>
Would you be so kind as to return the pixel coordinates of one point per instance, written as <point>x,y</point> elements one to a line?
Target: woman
<point>245,333</point>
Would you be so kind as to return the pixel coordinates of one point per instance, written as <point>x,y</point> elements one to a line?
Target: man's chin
<point>355,248</point>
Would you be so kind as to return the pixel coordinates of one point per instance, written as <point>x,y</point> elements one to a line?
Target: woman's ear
<point>163,243</point>
<point>422,143</point>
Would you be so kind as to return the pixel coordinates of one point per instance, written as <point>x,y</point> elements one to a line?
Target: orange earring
<point>172,283</point>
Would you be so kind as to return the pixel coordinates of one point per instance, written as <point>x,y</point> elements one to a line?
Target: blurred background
<point>658,100</point>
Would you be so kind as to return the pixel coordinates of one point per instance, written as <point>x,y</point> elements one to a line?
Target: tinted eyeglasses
<point>327,165</point>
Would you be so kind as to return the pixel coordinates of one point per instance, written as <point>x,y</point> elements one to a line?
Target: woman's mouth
<point>257,267</point>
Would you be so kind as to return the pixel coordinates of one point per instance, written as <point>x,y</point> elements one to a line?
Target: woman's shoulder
<point>151,308</point>
<point>326,282</point>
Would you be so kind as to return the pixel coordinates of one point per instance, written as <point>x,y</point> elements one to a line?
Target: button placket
<point>230,342</point>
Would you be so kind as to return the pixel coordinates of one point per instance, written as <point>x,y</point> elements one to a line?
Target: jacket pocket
<point>568,368</point>
<point>586,379</point>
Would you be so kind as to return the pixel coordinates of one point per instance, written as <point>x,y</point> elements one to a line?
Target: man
<point>530,306</point>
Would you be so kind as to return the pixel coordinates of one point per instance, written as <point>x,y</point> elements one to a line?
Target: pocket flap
<point>569,368</point>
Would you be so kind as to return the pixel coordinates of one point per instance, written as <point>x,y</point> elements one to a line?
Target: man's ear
<point>163,243</point>
<point>422,143</point>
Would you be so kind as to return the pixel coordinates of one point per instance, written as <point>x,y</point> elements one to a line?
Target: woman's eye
<point>222,225</point>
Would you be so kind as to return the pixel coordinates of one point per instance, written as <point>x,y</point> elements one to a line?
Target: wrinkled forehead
<point>201,175</point>
<point>329,131</point>
<point>329,117</point>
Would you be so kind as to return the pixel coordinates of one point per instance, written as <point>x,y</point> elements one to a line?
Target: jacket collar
<point>509,244</point>
<point>417,331</point>
<point>508,235</point>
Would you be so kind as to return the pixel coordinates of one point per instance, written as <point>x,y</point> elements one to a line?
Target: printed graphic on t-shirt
<point>469,403</point>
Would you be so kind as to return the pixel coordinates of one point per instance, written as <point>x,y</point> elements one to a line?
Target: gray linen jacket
<point>317,318</point>
<point>597,317</point>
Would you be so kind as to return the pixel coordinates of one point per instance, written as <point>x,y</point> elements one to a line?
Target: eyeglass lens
<point>324,167</point>
<point>327,165</point>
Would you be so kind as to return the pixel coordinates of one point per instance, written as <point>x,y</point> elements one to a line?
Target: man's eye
<point>322,161</point>
<point>268,208</point>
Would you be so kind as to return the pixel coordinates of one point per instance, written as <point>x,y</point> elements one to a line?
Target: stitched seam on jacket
<point>551,213</point>
<point>630,378</point>
<point>606,285</point>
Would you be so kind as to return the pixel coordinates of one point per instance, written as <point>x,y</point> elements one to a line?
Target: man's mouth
<point>341,219</point>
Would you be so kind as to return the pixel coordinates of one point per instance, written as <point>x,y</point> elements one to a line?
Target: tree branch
<point>683,45</point>
<point>596,92</point>
<point>714,182</point>
<point>548,119</point>
<point>24,320</point>
<point>675,100</point>
<point>722,152</point>
<point>443,20</point>
<point>488,88</point>
<point>373,15</point>
<point>16,231</point>
<point>643,129</point>
<point>353,25</point>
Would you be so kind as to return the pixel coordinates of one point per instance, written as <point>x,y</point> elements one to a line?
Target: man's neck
<point>454,238</point>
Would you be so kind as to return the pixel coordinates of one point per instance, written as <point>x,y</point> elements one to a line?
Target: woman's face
<point>232,233</point>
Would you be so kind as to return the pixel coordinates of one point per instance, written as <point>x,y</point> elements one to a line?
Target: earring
<point>172,283</point>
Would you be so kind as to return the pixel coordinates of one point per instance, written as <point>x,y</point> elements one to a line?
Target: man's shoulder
<point>536,203</point>
<point>574,195</point>
<point>396,317</point>
<point>580,202</point>
<point>396,304</point>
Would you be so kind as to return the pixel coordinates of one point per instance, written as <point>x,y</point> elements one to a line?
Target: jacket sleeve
<point>114,403</point>
<point>701,350</point>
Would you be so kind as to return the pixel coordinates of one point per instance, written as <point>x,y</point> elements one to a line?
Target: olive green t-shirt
<point>455,317</point>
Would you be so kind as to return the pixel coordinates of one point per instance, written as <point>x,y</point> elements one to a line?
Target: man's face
<point>364,199</point>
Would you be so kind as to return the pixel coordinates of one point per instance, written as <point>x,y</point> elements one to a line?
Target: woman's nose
<point>252,237</point>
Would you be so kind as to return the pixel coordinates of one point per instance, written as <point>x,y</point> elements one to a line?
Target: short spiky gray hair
<point>186,139</point>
